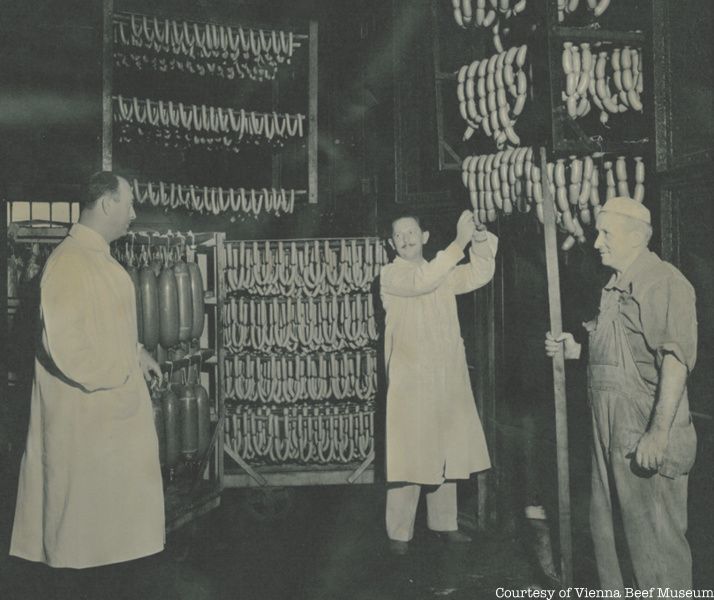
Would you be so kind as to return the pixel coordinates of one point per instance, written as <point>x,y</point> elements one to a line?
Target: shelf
<point>300,475</point>
<point>204,356</point>
<point>593,34</point>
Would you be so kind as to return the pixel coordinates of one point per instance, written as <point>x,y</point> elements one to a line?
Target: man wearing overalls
<point>642,346</point>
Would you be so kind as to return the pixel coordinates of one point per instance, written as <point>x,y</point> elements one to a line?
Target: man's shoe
<point>398,547</point>
<point>453,537</point>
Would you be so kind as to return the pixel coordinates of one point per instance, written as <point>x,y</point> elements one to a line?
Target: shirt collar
<point>87,237</point>
<point>641,264</point>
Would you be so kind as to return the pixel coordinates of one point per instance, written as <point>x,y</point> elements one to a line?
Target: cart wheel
<point>269,503</point>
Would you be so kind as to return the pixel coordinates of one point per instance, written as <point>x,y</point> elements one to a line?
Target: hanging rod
<point>126,17</point>
<point>323,239</point>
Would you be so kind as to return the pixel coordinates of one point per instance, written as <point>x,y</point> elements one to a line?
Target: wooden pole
<point>107,81</point>
<point>561,414</point>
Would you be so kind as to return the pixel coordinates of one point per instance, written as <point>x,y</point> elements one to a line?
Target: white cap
<point>627,207</point>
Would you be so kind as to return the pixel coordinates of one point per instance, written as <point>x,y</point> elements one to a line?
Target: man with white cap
<point>641,348</point>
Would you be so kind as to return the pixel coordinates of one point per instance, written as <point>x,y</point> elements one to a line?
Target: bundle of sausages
<point>327,323</point>
<point>589,78</point>
<point>341,433</point>
<point>498,182</point>
<point>182,416</point>
<point>206,49</point>
<point>169,294</point>
<point>492,93</point>
<point>215,200</point>
<point>291,378</point>
<point>216,128</point>
<point>310,267</point>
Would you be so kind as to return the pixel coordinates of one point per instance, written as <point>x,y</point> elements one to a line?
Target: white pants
<point>402,501</point>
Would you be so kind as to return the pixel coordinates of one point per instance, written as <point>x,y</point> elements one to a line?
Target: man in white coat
<point>90,490</point>
<point>433,432</point>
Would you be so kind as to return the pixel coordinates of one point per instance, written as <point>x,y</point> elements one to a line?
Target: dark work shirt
<point>659,315</point>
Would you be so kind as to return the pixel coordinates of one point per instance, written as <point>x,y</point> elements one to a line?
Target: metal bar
<point>453,154</point>
<point>126,16</point>
<point>107,82</point>
<point>244,465</point>
<point>316,239</point>
<point>561,415</point>
<point>584,34</point>
<point>357,473</point>
<point>220,292</point>
<point>312,116</point>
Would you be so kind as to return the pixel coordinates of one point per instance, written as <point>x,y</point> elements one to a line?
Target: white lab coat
<point>90,490</point>
<point>433,429</point>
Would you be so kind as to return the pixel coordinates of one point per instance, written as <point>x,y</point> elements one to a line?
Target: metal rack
<point>193,494</point>
<point>259,474</point>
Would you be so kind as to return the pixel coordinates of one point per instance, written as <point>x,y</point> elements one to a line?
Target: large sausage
<point>185,305</point>
<point>134,274</point>
<point>172,428</point>
<point>203,403</point>
<point>149,308</point>
<point>196,300</point>
<point>188,416</point>
<point>168,308</point>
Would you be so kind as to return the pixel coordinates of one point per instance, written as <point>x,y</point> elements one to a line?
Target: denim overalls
<point>652,505</point>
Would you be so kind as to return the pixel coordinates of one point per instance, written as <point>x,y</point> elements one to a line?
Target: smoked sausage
<point>196,300</point>
<point>185,304</point>
<point>168,308</point>
<point>149,308</point>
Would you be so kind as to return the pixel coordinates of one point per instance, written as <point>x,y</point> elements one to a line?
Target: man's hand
<point>148,365</point>
<point>480,234</point>
<point>465,228</point>
<point>564,342</point>
<point>651,449</point>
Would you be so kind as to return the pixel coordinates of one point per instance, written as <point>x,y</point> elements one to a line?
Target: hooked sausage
<point>172,428</point>
<point>197,300</point>
<point>168,308</point>
<point>184,295</point>
<point>149,308</point>
<point>188,417</point>
<point>203,403</point>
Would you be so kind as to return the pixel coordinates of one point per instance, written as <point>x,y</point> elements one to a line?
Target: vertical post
<point>312,116</point>
<point>561,415</point>
<point>107,82</point>
<point>220,250</point>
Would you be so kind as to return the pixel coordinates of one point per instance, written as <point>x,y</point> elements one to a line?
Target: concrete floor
<point>330,544</point>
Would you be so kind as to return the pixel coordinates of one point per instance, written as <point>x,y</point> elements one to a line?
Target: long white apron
<point>433,430</point>
<point>90,490</point>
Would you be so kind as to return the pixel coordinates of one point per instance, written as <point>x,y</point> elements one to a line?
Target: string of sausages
<point>317,434</point>
<point>313,267</point>
<point>492,94</point>
<point>299,324</point>
<point>291,378</point>
<point>498,182</point>
<point>215,200</point>
<point>142,41</point>
<point>591,73</point>
<point>176,123</point>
